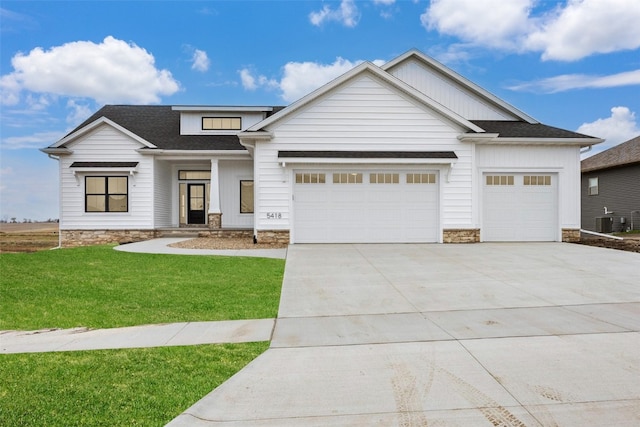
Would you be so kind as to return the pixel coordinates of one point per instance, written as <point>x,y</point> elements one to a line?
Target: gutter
<point>600,234</point>
<point>54,157</point>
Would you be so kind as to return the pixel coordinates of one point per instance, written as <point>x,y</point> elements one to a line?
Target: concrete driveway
<point>450,335</point>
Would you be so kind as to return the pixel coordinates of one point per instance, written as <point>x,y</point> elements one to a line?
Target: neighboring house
<point>406,152</point>
<point>611,189</point>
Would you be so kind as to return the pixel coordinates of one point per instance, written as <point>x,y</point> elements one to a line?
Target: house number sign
<point>274,215</point>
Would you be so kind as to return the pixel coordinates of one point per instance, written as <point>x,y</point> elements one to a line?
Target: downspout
<point>588,148</point>
<point>54,157</point>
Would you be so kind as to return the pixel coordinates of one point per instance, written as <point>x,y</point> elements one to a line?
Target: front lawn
<point>133,387</point>
<point>98,287</point>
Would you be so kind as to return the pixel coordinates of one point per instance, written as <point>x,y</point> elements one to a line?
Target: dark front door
<point>195,211</point>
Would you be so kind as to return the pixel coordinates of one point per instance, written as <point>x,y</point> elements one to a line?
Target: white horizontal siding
<point>448,92</point>
<point>563,160</point>
<point>106,144</point>
<point>364,114</point>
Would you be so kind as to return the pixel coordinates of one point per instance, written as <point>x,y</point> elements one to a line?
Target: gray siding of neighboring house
<point>619,191</point>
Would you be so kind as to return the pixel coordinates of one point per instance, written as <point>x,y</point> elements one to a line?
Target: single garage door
<point>365,206</point>
<point>520,207</point>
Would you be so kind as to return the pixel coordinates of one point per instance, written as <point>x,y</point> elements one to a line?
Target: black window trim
<point>106,194</point>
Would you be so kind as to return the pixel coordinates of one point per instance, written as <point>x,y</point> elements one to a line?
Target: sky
<point>573,64</point>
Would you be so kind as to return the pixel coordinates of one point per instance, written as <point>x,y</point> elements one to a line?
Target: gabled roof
<point>364,68</point>
<point>624,154</point>
<point>452,75</point>
<point>159,126</point>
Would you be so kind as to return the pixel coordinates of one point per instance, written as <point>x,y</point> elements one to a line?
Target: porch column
<point>214,214</point>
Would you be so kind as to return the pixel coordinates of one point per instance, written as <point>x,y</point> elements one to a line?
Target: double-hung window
<point>106,194</point>
<point>593,187</point>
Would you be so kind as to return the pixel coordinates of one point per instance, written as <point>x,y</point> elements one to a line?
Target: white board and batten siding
<point>448,92</point>
<point>522,212</point>
<point>106,144</point>
<point>163,190</point>
<point>364,114</point>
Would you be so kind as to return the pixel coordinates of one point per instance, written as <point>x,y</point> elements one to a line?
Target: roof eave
<point>497,139</point>
<point>58,151</point>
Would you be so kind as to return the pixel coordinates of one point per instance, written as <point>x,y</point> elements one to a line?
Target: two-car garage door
<point>365,206</point>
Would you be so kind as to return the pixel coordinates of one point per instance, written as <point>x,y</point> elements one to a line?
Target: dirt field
<point>28,237</point>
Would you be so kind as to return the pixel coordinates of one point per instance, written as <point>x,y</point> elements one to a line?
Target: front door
<point>196,198</point>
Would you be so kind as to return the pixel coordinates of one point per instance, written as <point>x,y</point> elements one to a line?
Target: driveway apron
<point>449,335</point>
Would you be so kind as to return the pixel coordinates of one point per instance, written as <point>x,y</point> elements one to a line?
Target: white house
<point>406,152</point>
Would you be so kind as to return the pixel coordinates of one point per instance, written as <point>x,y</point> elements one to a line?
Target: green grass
<point>141,387</point>
<point>98,287</point>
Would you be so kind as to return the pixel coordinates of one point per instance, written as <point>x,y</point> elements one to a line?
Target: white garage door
<point>520,207</point>
<point>365,206</point>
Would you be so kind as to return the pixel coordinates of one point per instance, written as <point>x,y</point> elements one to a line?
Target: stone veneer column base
<point>273,236</point>
<point>74,238</point>
<point>461,235</point>
<point>215,220</point>
<point>571,235</point>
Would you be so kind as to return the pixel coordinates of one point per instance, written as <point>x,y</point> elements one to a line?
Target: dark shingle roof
<point>623,154</point>
<point>520,129</point>
<point>369,154</point>
<point>160,125</point>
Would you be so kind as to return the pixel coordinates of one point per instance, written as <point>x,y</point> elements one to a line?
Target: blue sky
<point>571,64</point>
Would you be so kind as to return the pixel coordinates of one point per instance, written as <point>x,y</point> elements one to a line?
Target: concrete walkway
<point>171,334</point>
<point>161,246</point>
<point>449,335</point>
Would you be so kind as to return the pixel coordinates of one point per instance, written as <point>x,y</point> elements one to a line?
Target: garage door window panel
<point>500,180</point>
<point>421,178</point>
<point>310,178</point>
<point>384,178</point>
<point>347,178</point>
<point>537,180</point>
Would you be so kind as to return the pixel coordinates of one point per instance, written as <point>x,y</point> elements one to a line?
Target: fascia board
<point>193,153</point>
<point>93,125</point>
<point>56,151</point>
<point>460,79</point>
<point>367,67</point>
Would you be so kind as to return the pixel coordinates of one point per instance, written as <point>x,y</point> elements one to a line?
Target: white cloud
<point>573,30</point>
<point>587,27</point>
<point>621,126</point>
<point>301,78</point>
<point>200,60</point>
<point>36,140</point>
<point>78,112</point>
<point>112,71</point>
<point>493,23</point>
<point>347,14</point>
<point>579,81</point>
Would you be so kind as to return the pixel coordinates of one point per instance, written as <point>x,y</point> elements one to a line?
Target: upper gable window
<point>221,123</point>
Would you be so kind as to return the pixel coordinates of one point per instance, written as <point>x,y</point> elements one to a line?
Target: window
<point>201,175</point>
<point>384,178</point>
<point>421,178</point>
<point>499,179</point>
<point>537,180</point>
<point>106,193</point>
<point>246,196</point>
<point>310,178</point>
<point>347,178</point>
<point>593,187</point>
<point>221,123</point>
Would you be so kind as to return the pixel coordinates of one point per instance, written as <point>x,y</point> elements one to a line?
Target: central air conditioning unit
<point>604,224</point>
